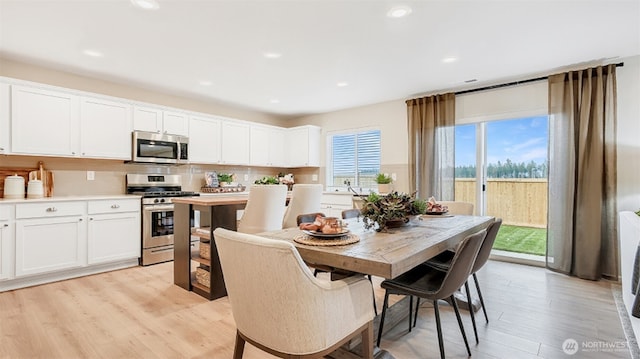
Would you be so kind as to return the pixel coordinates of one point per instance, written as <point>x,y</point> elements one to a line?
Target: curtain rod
<point>512,83</point>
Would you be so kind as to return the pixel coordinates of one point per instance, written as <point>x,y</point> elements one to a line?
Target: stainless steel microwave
<point>151,147</point>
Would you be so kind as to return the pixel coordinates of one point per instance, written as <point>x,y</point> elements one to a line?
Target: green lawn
<point>522,240</point>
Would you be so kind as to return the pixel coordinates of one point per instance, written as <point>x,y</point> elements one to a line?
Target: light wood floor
<point>139,313</point>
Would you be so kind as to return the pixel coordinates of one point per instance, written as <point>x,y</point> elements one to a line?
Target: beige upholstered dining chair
<point>264,210</point>
<point>458,207</point>
<point>281,308</point>
<point>305,198</point>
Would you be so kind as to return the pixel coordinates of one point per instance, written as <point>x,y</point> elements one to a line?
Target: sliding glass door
<point>501,166</point>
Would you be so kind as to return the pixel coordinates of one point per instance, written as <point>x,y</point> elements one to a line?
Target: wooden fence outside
<point>518,201</point>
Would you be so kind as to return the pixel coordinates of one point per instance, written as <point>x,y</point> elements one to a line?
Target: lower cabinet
<point>49,244</point>
<point>44,241</point>
<point>113,237</point>
<point>332,205</point>
<point>6,237</point>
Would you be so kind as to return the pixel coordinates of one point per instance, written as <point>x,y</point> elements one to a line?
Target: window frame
<point>329,158</point>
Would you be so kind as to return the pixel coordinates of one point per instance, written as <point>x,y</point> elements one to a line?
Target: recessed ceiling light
<point>342,84</point>
<point>272,55</point>
<point>449,59</point>
<point>399,11</point>
<point>92,53</point>
<point>274,100</point>
<point>205,83</point>
<point>146,4</point>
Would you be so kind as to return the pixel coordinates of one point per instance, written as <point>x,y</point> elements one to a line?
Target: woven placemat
<point>338,241</point>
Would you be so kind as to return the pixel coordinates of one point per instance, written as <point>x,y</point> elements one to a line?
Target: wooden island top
<point>214,200</point>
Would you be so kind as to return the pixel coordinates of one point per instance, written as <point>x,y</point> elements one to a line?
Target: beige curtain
<point>431,125</point>
<point>582,225</point>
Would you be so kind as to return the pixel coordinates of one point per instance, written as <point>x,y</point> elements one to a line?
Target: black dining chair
<point>443,261</point>
<point>429,283</point>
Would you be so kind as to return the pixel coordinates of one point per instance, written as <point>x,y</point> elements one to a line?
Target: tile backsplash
<point>70,174</point>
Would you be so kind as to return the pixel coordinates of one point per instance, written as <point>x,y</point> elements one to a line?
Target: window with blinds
<point>355,158</point>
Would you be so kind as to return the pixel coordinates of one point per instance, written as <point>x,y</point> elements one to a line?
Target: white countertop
<point>69,198</point>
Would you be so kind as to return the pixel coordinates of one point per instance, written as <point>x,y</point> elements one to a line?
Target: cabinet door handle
<point>79,219</point>
<point>114,206</point>
<point>52,209</point>
<point>6,225</point>
<point>91,218</point>
<point>73,153</point>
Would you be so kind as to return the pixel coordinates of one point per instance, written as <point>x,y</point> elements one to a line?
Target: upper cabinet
<point>267,146</point>
<point>304,142</point>
<point>105,128</point>
<point>204,140</point>
<point>5,117</point>
<point>156,120</point>
<point>44,122</point>
<point>234,143</point>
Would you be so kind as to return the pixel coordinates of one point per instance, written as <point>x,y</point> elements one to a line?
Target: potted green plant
<point>267,180</point>
<point>390,210</point>
<point>384,182</point>
<point>225,179</point>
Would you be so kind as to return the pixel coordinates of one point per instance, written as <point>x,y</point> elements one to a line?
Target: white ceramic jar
<point>14,187</point>
<point>35,189</point>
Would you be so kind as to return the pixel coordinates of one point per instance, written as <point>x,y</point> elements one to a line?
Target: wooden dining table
<point>391,252</point>
<point>385,254</point>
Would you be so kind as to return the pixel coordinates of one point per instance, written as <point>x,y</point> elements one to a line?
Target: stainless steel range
<point>157,192</point>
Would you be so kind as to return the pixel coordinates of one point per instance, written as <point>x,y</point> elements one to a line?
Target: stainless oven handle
<point>161,250</point>
<point>157,208</point>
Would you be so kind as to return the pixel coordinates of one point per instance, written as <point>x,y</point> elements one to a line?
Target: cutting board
<point>47,180</point>
<point>29,173</point>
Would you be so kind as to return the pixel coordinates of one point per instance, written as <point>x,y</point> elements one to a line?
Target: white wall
<point>391,118</point>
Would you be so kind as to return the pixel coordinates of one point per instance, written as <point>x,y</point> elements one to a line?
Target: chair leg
<point>367,341</point>
<point>238,350</point>
<point>439,328</point>
<point>384,312</point>
<point>410,311</point>
<point>484,310</point>
<point>464,336</point>
<point>415,319</point>
<point>375,307</point>
<point>315,272</point>
<point>473,316</point>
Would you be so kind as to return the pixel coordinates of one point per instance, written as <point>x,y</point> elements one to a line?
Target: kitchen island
<point>215,211</point>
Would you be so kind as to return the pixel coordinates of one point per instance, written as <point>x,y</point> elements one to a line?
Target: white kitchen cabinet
<point>6,241</point>
<point>53,242</point>
<point>5,117</point>
<point>175,123</point>
<point>304,145</point>
<point>105,129</point>
<point>113,230</point>
<point>267,146</point>
<point>147,119</point>
<point>332,204</point>
<point>44,122</point>
<point>204,140</point>
<point>234,143</point>
<point>156,120</point>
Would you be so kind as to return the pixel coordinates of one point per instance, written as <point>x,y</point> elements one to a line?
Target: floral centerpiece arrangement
<point>390,210</point>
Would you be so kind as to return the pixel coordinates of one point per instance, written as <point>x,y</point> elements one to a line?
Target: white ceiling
<point>322,42</point>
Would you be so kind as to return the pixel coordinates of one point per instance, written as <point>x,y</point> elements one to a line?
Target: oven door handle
<point>158,208</point>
